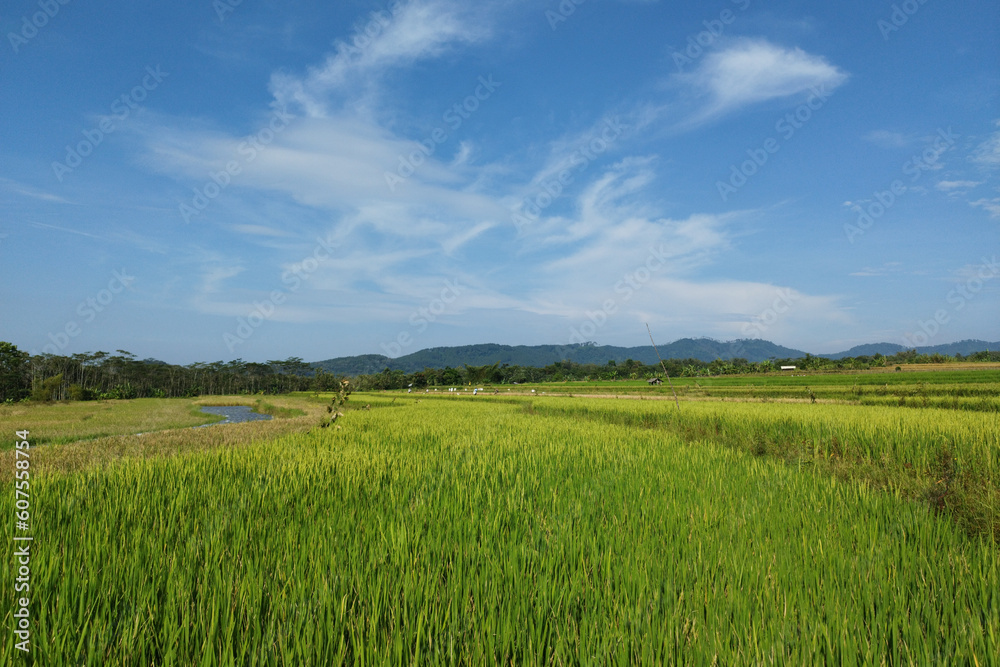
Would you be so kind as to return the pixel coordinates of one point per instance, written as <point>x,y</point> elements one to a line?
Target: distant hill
<point>365,364</point>
<point>963,347</point>
<point>868,350</point>
<point>703,349</point>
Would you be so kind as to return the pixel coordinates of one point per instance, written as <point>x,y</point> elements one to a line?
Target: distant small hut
<point>653,381</point>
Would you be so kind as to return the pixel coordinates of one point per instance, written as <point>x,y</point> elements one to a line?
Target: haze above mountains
<point>703,349</point>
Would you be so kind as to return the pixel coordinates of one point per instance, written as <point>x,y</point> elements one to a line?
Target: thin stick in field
<point>664,366</point>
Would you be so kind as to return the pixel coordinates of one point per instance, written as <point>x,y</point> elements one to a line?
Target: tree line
<point>101,375</point>
<point>637,370</point>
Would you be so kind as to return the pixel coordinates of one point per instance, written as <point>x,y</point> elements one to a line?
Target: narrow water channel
<point>233,414</point>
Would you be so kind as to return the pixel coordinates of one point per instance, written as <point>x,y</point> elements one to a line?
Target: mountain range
<point>703,349</point>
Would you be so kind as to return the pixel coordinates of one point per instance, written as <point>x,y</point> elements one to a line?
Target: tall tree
<point>15,380</point>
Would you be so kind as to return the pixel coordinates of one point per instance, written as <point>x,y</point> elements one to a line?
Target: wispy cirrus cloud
<point>399,243</point>
<point>951,186</point>
<point>890,139</point>
<point>991,206</point>
<point>419,30</point>
<point>752,71</point>
<point>62,229</point>
<point>258,230</point>
<point>888,268</point>
<point>214,278</point>
<point>29,191</point>
<point>987,154</point>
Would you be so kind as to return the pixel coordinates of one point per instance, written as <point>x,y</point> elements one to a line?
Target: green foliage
<point>265,408</point>
<point>121,375</point>
<point>337,403</point>
<point>78,393</point>
<point>124,391</point>
<point>48,390</point>
<point>487,373</point>
<point>449,376</point>
<point>15,382</point>
<point>323,381</point>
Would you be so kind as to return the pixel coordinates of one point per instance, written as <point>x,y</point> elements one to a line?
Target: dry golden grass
<point>101,451</point>
<point>70,421</point>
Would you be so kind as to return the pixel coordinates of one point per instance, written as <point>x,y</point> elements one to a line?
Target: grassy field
<point>69,422</point>
<point>948,459</point>
<point>521,529</point>
<point>74,421</point>
<point>83,435</point>
<point>976,390</point>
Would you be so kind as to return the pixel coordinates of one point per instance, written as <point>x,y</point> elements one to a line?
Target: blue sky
<point>196,181</point>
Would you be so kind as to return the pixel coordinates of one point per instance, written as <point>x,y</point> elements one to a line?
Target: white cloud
<point>888,139</point>
<point>991,206</point>
<point>462,156</point>
<point>676,307</point>
<point>214,278</point>
<point>337,164</point>
<point>610,218</point>
<point>987,154</point>
<point>751,71</point>
<point>397,244</point>
<point>886,269</point>
<point>421,29</point>
<point>258,230</point>
<point>29,191</point>
<point>948,186</point>
<point>63,229</point>
<point>450,245</point>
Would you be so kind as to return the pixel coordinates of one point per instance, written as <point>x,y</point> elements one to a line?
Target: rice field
<point>974,390</point>
<point>74,421</point>
<point>949,459</point>
<point>524,530</point>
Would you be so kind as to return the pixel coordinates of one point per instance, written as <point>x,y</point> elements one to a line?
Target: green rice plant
<point>474,531</point>
<point>890,447</point>
<point>971,390</point>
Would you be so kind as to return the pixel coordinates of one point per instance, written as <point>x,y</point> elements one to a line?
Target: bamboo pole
<point>664,366</point>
